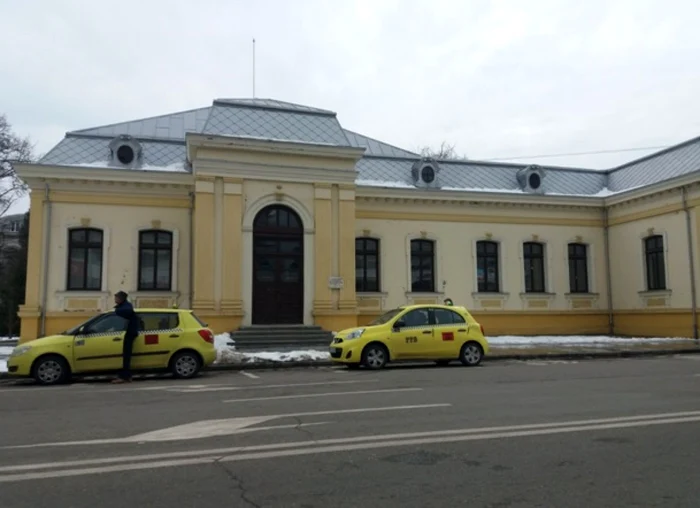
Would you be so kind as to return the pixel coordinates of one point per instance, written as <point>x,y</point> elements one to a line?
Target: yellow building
<point>257,211</point>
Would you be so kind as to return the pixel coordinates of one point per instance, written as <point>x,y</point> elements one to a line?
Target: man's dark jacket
<point>126,311</point>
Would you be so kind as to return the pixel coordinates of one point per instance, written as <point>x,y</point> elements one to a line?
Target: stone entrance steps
<point>281,337</point>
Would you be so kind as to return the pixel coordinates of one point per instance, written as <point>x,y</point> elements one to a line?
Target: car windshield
<point>385,318</point>
<point>74,330</point>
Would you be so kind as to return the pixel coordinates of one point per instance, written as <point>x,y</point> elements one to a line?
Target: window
<point>154,321</point>
<point>447,317</point>
<point>578,268</point>
<point>533,255</point>
<point>487,267</point>
<point>366,265</point>
<point>14,226</point>
<point>656,268</point>
<point>422,266</point>
<point>155,260</point>
<point>85,259</point>
<point>417,317</point>
<point>109,323</point>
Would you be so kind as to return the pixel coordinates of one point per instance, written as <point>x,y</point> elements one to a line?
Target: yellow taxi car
<point>415,332</point>
<point>169,339</point>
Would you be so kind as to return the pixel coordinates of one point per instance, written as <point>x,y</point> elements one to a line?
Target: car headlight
<point>355,334</point>
<point>20,350</point>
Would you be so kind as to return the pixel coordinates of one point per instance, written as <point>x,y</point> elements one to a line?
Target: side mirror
<point>399,324</point>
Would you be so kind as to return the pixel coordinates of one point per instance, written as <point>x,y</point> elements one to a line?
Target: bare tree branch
<point>13,149</point>
<point>445,152</point>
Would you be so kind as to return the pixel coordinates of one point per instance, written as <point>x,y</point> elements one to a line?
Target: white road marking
<point>327,446</point>
<point>220,388</point>
<point>211,428</point>
<point>248,374</point>
<point>324,394</point>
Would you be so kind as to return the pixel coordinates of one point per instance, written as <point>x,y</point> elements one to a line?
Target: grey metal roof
<point>172,126</point>
<point>163,141</point>
<point>376,147</point>
<point>77,150</point>
<point>479,176</point>
<point>232,120</point>
<point>675,161</point>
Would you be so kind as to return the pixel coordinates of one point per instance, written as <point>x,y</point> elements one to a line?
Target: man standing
<point>125,310</point>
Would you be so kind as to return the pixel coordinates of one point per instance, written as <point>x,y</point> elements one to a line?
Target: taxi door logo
<point>448,336</point>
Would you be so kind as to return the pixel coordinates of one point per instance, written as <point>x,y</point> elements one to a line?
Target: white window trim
<point>175,261</point>
<point>547,266</point>
<point>502,276</point>
<point>380,275</point>
<point>439,283</point>
<point>590,265</point>
<point>67,227</point>
<point>642,253</point>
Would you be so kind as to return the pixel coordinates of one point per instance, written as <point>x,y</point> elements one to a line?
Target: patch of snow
<point>5,339</point>
<point>4,353</point>
<point>509,341</point>
<point>274,140</point>
<point>175,167</point>
<point>287,356</point>
<point>477,189</point>
<point>380,183</point>
<point>3,366</point>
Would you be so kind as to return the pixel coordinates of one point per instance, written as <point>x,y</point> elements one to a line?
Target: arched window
<point>85,247</point>
<point>155,260</point>
<point>422,266</point>
<point>366,265</point>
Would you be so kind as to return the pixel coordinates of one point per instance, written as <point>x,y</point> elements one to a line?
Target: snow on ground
<point>4,353</point>
<point>5,339</point>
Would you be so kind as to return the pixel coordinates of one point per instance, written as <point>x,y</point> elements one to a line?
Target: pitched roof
<point>162,139</point>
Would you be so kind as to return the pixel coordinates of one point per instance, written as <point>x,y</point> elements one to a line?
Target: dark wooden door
<point>278,267</point>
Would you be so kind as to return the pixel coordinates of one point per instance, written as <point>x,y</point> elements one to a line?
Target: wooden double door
<point>278,267</point>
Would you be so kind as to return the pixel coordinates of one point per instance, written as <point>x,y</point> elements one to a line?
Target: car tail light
<point>207,335</point>
<point>482,330</point>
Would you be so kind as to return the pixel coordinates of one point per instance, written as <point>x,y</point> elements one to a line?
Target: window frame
<point>657,253</point>
<point>85,247</point>
<point>484,257</point>
<point>575,259</point>
<point>141,314</point>
<point>421,255</point>
<point>156,248</point>
<point>435,310</point>
<point>365,254</point>
<point>528,260</point>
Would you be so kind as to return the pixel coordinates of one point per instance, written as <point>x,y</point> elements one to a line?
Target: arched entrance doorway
<point>278,266</point>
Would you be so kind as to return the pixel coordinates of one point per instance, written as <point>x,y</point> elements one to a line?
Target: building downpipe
<point>45,261</point>
<point>608,274</point>
<point>191,255</point>
<point>691,261</point>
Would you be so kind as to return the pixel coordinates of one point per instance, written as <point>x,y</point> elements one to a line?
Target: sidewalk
<point>502,348</point>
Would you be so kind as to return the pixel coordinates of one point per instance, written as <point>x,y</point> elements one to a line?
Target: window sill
<point>655,292</point>
<point>480,295</point>
<point>371,294</point>
<point>538,296</point>
<point>658,298</point>
<point>82,300</point>
<point>154,299</point>
<point>583,296</point>
<point>424,293</point>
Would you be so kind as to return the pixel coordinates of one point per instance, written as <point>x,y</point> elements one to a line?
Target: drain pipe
<point>45,270</point>
<point>608,274</point>
<point>691,261</point>
<point>191,256</point>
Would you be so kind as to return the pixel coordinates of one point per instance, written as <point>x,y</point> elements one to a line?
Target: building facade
<point>256,211</point>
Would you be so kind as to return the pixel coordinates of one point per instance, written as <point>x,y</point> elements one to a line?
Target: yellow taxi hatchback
<point>173,340</point>
<point>417,332</point>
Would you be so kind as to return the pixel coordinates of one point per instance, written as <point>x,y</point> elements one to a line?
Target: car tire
<point>442,363</point>
<point>471,354</point>
<point>185,364</point>
<point>375,356</point>
<point>51,370</point>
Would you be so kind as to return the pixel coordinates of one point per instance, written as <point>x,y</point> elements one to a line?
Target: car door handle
<point>462,330</point>
<point>116,339</point>
<point>174,336</point>
<point>428,332</point>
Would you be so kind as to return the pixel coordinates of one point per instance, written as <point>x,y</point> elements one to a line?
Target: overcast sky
<point>494,78</point>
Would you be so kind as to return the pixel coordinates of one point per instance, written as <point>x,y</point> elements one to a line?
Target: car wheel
<point>185,365</point>
<point>375,356</point>
<point>51,370</point>
<point>471,354</point>
<point>442,363</point>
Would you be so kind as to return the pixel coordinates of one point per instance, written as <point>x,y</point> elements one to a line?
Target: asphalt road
<point>605,433</point>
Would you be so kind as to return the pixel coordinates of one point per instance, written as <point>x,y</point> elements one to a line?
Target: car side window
<point>416,317</point>
<point>108,324</point>
<point>155,321</point>
<point>447,317</point>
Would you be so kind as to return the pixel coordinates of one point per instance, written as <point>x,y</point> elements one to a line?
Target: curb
<point>588,355</point>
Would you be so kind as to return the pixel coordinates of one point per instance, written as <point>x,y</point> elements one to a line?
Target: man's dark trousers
<point>128,347</point>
